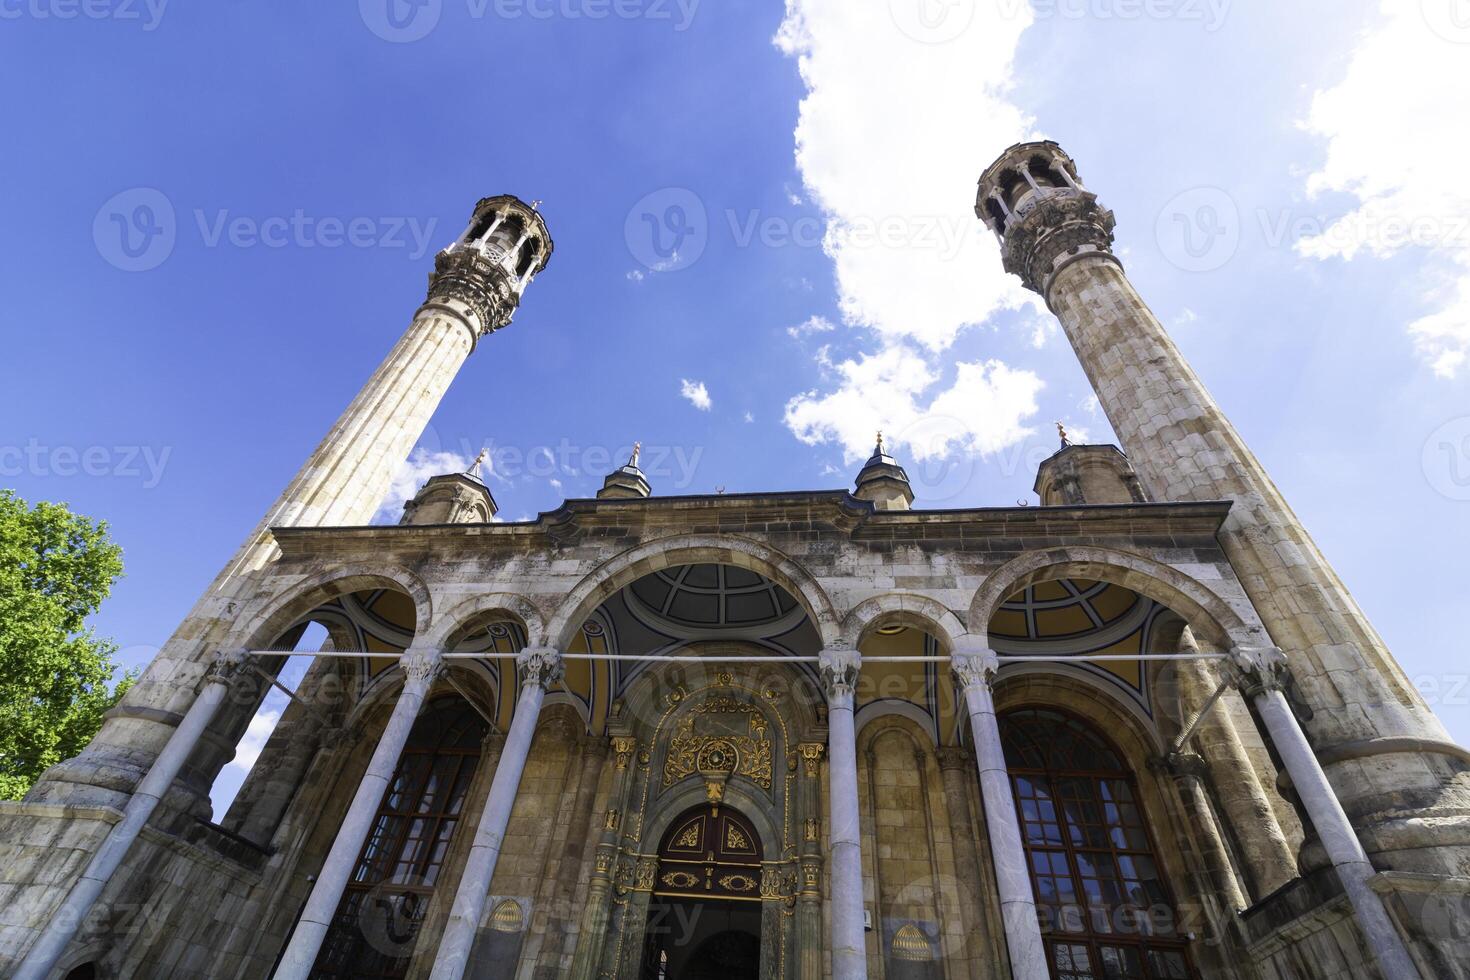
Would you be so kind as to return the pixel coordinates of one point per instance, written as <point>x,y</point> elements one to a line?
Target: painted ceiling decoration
<point>1080,616</point>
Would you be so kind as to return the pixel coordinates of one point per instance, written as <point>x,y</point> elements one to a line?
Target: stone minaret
<point>474,290</point>
<point>1389,759</point>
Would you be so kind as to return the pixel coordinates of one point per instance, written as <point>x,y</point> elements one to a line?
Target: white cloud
<point>1395,132</point>
<point>982,412</point>
<point>814,324</point>
<point>749,418</point>
<point>891,138</point>
<point>636,275</point>
<point>414,473</point>
<point>696,393</point>
<point>912,262</point>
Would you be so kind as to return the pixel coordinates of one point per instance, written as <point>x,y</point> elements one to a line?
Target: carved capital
<point>811,757</point>
<point>421,668</point>
<point>542,666</point>
<point>839,669</point>
<point>954,757</point>
<point>623,747</point>
<point>226,667</point>
<point>975,667</point>
<point>1049,228</point>
<point>1257,670</point>
<point>1180,765</point>
<point>474,279</point>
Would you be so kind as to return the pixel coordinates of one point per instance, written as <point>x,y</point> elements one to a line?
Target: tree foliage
<point>56,567</point>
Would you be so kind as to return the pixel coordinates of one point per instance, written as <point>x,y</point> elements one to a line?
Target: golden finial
<point>880,442</point>
<point>1062,431</point>
<point>474,469</point>
<point>637,451</point>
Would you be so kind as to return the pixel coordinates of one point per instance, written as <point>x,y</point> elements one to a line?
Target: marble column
<point>975,672</point>
<point>539,668</point>
<point>1263,678</point>
<point>420,668</point>
<point>65,921</point>
<point>849,945</point>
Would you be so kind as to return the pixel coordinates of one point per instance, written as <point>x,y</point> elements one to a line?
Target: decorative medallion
<point>735,838</point>
<point>720,735</point>
<point>680,879</point>
<point>738,883</point>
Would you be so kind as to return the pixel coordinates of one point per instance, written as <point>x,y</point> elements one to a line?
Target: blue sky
<point>1284,177</point>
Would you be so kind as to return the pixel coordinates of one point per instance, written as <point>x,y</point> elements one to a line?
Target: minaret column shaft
<point>1184,448</point>
<point>342,483</point>
<point>1390,759</point>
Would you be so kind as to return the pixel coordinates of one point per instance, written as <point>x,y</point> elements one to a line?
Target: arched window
<point>377,923</point>
<point>1105,909</point>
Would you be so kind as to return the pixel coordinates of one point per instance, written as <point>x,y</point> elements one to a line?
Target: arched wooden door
<point>705,913</point>
<point>710,853</point>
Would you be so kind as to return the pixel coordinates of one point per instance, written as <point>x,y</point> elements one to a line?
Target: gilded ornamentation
<point>647,868</point>
<point>813,829</point>
<point>623,747</point>
<point>735,840</point>
<point>738,883</point>
<point>811,754</point>
<point>690,837</point>
<point>910,943</point>
<point>680,879</point>
<point>721,735</point>
<point>508,917</point>
<point>611,822</point>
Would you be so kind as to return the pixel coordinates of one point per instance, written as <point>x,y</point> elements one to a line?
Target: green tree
<point>56,567</point>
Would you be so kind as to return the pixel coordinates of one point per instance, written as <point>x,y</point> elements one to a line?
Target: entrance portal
<point>704,920</point>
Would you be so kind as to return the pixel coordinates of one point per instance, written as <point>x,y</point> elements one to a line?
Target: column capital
<point>226,667</point>
<point>1256,670</point>
<point>839,670</point>
<point>954,757</point>
<point>542,666</point>
<point>421,667</point>
<point>975,666</point>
